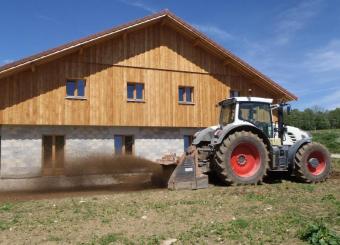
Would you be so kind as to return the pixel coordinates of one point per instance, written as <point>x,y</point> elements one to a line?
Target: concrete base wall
<point>21,146</point>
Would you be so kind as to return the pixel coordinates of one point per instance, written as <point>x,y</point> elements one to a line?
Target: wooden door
<point>53,155</point>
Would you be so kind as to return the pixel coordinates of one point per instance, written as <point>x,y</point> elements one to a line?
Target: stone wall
<point>21,146</point>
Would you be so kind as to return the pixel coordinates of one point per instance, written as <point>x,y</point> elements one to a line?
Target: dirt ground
<point>271,213</point>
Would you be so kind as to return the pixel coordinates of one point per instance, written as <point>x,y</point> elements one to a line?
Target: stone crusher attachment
<point>185,171</point>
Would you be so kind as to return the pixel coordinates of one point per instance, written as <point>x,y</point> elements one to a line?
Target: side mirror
<point>289,109</point>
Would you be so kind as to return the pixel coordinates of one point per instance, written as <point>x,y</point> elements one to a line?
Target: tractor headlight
<point>217,133</point>
<point>306,134</point>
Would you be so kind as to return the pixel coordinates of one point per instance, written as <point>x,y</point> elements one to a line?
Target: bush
<point>319,234</point>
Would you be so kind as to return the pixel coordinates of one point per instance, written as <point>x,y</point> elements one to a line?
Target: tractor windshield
<point>227,113</point>
<point>258,114</point>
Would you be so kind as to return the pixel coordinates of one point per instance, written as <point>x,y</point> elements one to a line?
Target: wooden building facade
<point>141,88</point>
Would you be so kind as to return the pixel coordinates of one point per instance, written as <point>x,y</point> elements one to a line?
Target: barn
<point>142,88</point>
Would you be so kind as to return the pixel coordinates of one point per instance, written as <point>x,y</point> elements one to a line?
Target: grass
<point>330,138</point>
<point>280,213</point>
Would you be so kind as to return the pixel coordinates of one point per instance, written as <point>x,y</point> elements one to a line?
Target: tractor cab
<point>247,110</point>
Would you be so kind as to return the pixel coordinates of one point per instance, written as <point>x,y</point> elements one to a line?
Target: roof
<point>11,67</point>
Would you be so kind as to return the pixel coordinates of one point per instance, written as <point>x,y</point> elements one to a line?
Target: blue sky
<point>296,43</point>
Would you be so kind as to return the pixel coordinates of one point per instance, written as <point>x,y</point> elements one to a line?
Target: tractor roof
<point>253,99</point>
<point>245,99</point>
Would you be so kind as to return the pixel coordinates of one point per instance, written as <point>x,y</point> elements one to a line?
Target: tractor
<point>247,145</point>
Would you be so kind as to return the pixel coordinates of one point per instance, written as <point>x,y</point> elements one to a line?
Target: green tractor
<point>246,145</point>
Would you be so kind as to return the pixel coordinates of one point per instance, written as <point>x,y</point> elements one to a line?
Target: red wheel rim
<point>319,166</point>
<point>245,160</point>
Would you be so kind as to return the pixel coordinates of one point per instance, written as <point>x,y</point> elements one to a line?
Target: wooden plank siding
<point>158,56</point>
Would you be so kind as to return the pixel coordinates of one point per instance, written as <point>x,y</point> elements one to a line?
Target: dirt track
<point>74,192</point>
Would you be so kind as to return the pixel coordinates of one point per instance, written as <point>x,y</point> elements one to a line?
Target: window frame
<point>76,96</point>
<point>134,99</point>
<point>185,102</point>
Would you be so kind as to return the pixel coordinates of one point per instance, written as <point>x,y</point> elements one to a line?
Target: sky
<point>296,43</point>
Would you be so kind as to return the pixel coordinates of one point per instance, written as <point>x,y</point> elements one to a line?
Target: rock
<point>168,241</point>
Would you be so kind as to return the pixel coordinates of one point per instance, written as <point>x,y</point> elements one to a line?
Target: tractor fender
<point>294,148</point>
<point>229,129</point>
<point>206,135</point>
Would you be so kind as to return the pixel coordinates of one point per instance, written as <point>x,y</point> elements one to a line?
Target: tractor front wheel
<point>312,163</point>
<point>242,158</point>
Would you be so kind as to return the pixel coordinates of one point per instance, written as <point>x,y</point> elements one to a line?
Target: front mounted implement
<point>187,174</point>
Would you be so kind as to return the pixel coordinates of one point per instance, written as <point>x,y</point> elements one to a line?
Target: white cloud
<point>139,4</point>
<point>6,61</point>
<point>214,32</point>
<point>329,100</point>
<point>295,19</point>
<point>325,59</point>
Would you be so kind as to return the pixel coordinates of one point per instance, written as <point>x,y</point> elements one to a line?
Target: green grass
<point>330,138</point>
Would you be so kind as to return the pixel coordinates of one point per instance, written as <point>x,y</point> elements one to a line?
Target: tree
<point>334,118</point>
<point>313,118</point>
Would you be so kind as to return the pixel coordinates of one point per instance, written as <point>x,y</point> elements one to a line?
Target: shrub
<point>319,234</point>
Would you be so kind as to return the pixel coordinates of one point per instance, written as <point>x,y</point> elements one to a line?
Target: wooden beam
<point>163,22</point>
<point>33,68</point>
<point>196,42</point>
<point>125,36</point>
<point>81,51</point>
<point>226,62</point>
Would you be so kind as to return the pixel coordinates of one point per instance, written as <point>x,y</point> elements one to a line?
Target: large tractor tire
<point>242,159</point>
<point>312,163</point>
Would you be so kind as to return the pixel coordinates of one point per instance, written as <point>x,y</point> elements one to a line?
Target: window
<point>124,144</point>
<point>185,95</point>
<point>234,93</point>
<point>258,114</point>
<point>135,92</point>
<point>75,88</point>
<point>187,141</point>
<point>53,155</point>
<point>227,114</point>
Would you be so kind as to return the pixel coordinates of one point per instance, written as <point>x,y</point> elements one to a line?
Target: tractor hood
<point>206,134</point>
<point>294,134</point>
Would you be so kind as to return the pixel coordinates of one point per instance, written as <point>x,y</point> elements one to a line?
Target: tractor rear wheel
<point>312,163</point>
<point>242,158</point>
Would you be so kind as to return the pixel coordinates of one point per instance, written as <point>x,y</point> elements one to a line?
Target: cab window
<point>258,114</point>
<point>227,114</point>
